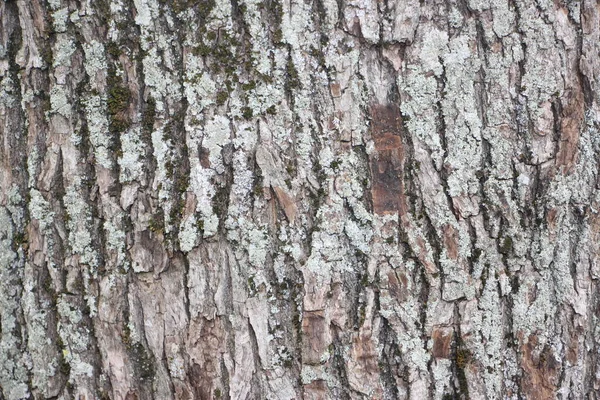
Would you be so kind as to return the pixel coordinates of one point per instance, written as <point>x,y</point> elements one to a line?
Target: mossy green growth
<point>47,55</point>
<point>293,81</point>
<point>277,36</point>
<point>179,5</point>
<point>156,224</point>
<point>113,50</point>
<point>148,116</point>
<point>291,169</point>
<point>364,280</point>
<point>275,8</point>
<point>264,78</point>
<point>199,224</point>
<point>201,50</point>
<point>257,185</point>
<point>476,254</point>
<point>118,99</point>
<point>224,59</point>
<point>362,315</point>
<point>103,10</point>
<point>507,246</point>
<point>318,55</point>
<point>169,167</point>
<point>126,335</point>
<point>251,286</point>
<point>220,202</point>
<point>222,97</point>
<point>247,113</point>
<point>484,276</point>
<point>117,102</point>
<point>462,358</point>
<point>142,361</point>
<point>297,323</point>
<point>271,110</point>
<point>212,35</point>
<point>20,239</point>
<point>202,7</point>
<point>181,183</point>
<point>177,211</point>
<point>47,285</point>
<point>103,394</point>
<point>249,86</point>
<point>335,165</point>
<point>63,366</point>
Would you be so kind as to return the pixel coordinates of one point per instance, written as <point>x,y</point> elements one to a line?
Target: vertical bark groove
<point>290,199</point>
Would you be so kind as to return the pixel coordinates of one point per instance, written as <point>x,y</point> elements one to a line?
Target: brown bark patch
<point>386,165</point>
<point>540,371</point>
<point>336,90</point>
<point>147,253</point>
<point>387,141</point>
<point>364,353</point>
<point>287,203</point>
<point>362,366</point>
<point>386,119</point>
<point>190,203</point>
<point>442,340</point>
<point>207,339</point>
<point>551,217</point>
<point>204,157</point>
<point>316,334</point>
<point>423,255</point>
<point>196,371</point>
<point>595,238</point>
<point>131,396</point>
<point>356,29</point>
<point>316,390</point>
<point>451,241</point>
<point>398,287</point>
<point>572,117</point>
<point>573,349</point>
<point>181,391</point>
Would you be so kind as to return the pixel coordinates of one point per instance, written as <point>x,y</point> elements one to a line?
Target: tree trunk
<point>299,199</point>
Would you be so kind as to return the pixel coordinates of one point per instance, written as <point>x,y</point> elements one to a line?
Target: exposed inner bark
<point>291,199</point>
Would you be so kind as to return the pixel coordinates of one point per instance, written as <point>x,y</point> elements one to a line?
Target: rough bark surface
<point>299,199</point>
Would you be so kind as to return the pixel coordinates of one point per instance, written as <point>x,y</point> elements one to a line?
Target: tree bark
<point>299,199</point>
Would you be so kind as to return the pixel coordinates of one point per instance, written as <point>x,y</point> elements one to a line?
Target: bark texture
<point>348,199</point>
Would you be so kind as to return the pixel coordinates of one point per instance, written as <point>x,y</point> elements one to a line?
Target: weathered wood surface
<point>299,199</point>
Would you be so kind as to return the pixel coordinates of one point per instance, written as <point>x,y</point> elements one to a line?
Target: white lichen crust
<point>291,199</point>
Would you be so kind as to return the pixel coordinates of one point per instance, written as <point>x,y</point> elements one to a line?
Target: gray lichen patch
<point>271,199</point>
<point>98,126</point>
<point>131,161</point>
<point>14,372</point>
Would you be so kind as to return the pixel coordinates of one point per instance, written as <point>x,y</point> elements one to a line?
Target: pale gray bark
<point>299,199</point>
